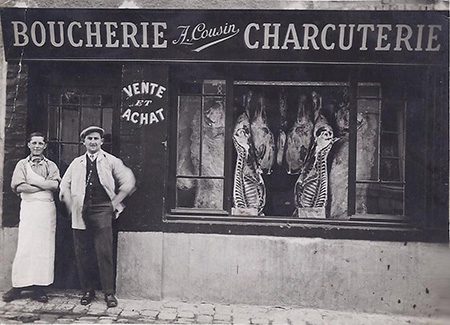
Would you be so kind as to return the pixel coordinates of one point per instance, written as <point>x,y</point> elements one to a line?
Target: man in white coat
<point>34,179</point>
<point>93,188</point>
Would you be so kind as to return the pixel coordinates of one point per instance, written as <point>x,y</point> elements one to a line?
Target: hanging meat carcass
<point>299,138</point>
<point>249,191</point>
<point>311,188</point>
<point>263,138</point>
<point>319,118</point>
<point>342,113</point>
<point>338,176</point>
<point>281,143</point>
<point>367,125</point>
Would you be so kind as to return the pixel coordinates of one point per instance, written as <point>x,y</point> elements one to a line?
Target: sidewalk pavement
<point>64,308</point>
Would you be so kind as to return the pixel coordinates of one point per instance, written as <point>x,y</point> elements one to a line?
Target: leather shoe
<point>11,294</point>
<point>111,301</point>
<point>87,298</point>
<point>40,296</point>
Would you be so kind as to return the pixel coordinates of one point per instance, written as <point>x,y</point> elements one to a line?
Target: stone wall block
<point>16,87</point>
<point>16,93</point>
<point>15,135</point>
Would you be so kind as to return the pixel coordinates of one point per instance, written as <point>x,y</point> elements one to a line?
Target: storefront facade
<point>293,157</point>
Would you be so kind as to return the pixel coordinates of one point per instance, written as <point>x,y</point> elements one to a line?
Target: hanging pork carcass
<point>263,138</point>
<point>249,191</point>
<point>299,137</point>
<point>311,188</point>
<point>281,143</point>
<point>319,118</point>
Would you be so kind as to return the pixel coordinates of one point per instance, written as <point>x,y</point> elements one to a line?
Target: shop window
<point>333,150</point>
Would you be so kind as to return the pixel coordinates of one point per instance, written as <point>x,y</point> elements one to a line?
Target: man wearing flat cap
<point>93,188</point>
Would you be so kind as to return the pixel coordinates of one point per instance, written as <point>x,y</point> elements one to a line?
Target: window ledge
<point>382,230</point>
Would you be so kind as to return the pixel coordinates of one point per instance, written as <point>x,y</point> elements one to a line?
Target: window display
<point>298,126</point>
<point>289,149</point>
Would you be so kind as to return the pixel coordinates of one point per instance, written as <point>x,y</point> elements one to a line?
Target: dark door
<point>75,96</point>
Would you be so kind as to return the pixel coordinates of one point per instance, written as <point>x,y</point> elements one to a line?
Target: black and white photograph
<point>233,162</point>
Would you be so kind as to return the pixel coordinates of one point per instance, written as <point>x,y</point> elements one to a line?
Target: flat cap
<point>91,129</point>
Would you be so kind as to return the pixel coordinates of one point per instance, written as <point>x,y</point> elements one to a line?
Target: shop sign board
<point>289,36</point>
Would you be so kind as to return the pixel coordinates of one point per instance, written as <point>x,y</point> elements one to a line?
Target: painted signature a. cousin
<point>213,35</point>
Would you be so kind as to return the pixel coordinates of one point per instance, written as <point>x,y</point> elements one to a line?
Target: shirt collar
<point>92,156</point>
<point>36,159</point>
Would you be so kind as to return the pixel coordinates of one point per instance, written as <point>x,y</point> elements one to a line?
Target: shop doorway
<point>73,96</point>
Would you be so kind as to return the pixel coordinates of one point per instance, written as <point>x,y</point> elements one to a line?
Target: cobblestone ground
<point>64,308</point>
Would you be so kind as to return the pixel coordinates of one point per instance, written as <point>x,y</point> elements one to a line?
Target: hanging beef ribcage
<point>311,188</point>
<point>263,138</point>
<point>249,190</point>
<point>299,138</point>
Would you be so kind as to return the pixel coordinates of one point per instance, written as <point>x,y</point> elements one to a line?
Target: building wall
<point>383,277</point>
<point>340,274</point>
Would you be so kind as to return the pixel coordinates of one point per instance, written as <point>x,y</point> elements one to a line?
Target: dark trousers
<point>97,237</point>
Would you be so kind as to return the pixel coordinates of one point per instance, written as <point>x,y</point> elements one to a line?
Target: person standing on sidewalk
<point>34,179</point>
<point>93,188</point>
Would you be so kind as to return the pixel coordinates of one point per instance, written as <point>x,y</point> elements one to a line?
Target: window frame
<point>58,108</point>
<point>201,176</point>
<point>379,181</point>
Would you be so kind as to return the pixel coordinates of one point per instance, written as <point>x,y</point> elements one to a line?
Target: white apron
<point>35,256</point>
